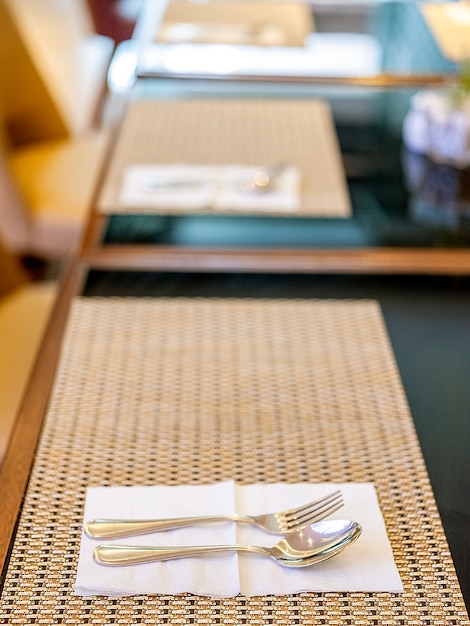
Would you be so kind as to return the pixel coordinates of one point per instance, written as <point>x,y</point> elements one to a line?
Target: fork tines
<point>313,511</point>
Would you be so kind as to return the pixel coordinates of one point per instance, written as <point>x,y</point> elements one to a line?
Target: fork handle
<point>115,528</point>
<point>135,555</point>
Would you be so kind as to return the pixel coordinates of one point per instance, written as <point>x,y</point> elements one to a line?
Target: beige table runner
<point>226,132</point>
<point>193,391</point>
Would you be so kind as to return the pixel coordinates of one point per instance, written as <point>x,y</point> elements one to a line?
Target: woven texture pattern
<point>227,132</point>
<point>175,391</point>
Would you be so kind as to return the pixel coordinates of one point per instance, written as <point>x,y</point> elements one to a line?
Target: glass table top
<point>229,39</point>
<point>369,61</point>
<point>399,198</point>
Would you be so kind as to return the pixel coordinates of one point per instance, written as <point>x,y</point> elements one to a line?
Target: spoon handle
<point>134,555</point>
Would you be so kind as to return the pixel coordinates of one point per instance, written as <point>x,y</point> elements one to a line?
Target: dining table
<point>218,350</point>
<point>367,66</point>
<point>173,380</point>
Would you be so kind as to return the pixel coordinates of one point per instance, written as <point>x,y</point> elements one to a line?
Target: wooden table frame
<point>387,260</point>
<point>17,462</point>
<point>325,261</point>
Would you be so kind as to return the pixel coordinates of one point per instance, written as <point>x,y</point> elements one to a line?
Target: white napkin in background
<point>202,187</point>
<point>169,186</point>
<point>367,565</point>
<point>283,194</point>
<point>265,33</point>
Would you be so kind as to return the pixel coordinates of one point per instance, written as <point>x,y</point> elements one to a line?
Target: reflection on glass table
<point>373,41</point>
<point>440,194</point>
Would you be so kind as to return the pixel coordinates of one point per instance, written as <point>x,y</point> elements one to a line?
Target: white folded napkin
<point>283,194</point>
<point>265,33</point>
<point>215,576</point>
<point>151,187</point>
<point>367,565</point>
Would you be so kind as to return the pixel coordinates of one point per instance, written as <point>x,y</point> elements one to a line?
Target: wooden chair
<point>46,191</point>
<point>54,77</point>
<point>115,18</point>
<point>24,311</point>
<point>49,158</point>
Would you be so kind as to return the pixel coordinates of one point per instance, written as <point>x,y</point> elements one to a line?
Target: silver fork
<point>276,523</point>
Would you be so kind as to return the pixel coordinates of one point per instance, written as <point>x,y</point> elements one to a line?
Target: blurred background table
<point>366,60</point>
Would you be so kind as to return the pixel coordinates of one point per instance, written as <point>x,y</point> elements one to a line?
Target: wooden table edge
<point>361,260</point>
<point>19,457</point>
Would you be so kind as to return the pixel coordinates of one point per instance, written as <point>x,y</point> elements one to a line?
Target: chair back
<point>27,106</point>
<point>15,220</point>
<point>54,69</point>
<point>52,75</point>
<point>11,272</point>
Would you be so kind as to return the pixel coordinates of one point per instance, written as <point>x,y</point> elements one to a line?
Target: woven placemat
<point>178,391</point>
<point>226,132</point>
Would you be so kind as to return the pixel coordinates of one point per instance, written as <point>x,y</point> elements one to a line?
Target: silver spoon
<point>260,180</point>
<point>312,544</point>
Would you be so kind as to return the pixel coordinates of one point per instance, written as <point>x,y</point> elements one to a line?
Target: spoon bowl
<point>302,548</point>
<point>262,180</point>
<point>315,543</point>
